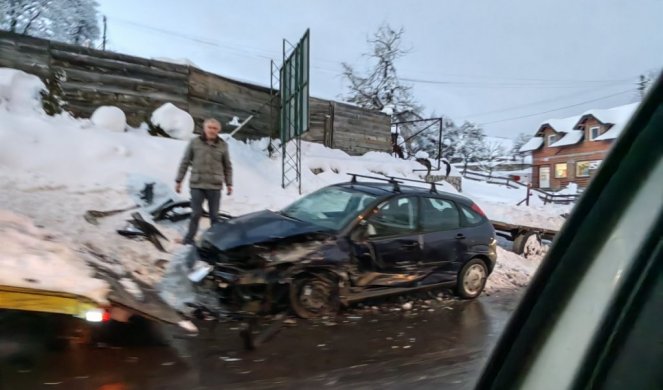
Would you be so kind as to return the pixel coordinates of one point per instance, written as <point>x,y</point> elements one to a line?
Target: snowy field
<point>53,169</point>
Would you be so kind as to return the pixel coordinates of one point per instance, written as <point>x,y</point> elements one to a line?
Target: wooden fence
<point>547,197</point>
<point>138,86</point>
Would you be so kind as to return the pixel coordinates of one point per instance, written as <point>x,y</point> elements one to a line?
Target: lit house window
<point>587,168</point>
<point>594,132</point>
<point>561,170</point>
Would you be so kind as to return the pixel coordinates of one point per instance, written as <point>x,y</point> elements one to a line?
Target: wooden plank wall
<point>138,86</point>
<point>320,118</point>
<point>214,96</point>
<point>27,54</point>
<point>357,131</point>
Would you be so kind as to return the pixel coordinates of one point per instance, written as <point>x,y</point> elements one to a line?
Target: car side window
<point>439,214</point>
<point>472,218</point>
<point>394,217</point>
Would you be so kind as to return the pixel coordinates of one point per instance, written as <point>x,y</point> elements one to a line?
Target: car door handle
<point>411,245</point>
<point>460,236</point>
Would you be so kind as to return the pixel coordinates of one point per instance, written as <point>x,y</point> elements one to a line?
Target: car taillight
<point>476,208</point>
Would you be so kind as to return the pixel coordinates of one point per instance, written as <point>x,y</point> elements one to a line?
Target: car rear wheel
<point>472,279</point>
<point>312,296</point>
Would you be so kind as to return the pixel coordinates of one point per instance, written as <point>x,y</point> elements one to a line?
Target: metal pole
<point>299,163</point>
<point>284,91</point>
<point>103,43</point>
<point>439,146</point>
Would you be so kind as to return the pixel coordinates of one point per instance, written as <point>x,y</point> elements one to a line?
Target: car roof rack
<point>394,181</point>
<point>433,187</point>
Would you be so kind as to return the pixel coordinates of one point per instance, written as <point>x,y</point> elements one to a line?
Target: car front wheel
<point>472,279</point>
<point>313,296</point>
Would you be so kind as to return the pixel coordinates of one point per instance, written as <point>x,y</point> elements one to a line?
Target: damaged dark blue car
<point>350,242</point>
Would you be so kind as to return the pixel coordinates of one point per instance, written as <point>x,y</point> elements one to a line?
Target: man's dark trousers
<point>197,197</point>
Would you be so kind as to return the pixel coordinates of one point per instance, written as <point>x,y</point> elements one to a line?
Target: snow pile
<point>511,271</point>
<point>571,189</point>
<point>35,258</point>
<point>110,117</point>
<point>234,122</point>
<point>19,91</point>
<point>174,121</point>
<point>421,154</point>
<point>178,61</point>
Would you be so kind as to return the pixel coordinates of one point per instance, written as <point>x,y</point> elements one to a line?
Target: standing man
<point>210,168</point>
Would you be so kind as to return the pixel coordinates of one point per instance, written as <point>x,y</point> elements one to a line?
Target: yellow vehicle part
<point>28,299</point>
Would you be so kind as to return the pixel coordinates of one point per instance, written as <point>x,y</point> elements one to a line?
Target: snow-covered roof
<point>572,137</point>
<point>618,116</point>
<point>533,144</point>
<point>562,125</point>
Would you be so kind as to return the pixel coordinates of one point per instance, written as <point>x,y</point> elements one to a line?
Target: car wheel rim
<point>475,276</point>
<point>314,296</point>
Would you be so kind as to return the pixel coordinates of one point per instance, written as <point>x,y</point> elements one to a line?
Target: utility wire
<point>535,103</point>
<point>557,109</point>
<point>269,54</point>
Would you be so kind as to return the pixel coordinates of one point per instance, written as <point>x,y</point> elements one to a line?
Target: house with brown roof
<point>571,149</point>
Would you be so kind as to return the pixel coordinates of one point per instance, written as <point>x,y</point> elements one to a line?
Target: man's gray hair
<point>211,120</point>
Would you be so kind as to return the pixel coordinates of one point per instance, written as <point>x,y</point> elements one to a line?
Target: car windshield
<point>330,207</point>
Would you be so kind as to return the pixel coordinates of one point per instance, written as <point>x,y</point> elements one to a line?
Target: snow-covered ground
<point>53,169</point>
<point>53,264</point>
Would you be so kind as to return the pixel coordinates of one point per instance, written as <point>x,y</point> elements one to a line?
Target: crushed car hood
<point>257,228</point>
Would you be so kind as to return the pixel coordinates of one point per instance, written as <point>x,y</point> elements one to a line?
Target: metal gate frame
<point>439,121</point>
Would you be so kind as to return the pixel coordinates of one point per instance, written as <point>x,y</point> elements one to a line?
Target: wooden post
<point>529,192</point>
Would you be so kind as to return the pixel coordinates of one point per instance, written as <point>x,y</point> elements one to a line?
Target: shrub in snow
<point>109,117</point>
<point>51,97</point>
<point>19,91</point>
<point>174,121</point>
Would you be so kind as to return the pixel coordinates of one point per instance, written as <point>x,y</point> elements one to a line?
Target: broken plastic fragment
<point>188,326</point>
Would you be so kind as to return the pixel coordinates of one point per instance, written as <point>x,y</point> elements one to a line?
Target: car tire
<point>472,279</point>
<point>313,296</point>
<point>521,240</point>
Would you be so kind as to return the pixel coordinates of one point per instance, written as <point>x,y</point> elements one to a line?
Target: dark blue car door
<point>444,239</point>
<point>393,244</point>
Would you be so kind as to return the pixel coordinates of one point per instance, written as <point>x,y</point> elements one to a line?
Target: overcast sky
<point>487,61</point>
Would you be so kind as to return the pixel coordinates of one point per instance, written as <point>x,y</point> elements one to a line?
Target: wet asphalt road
<point>442,348</point>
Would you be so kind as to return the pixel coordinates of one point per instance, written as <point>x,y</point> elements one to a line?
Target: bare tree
<point>468,143</point>
<point>520,140</point>
<point>492,154</point>
<point>71,21</point>
<point>380,88</point>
